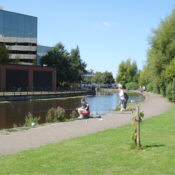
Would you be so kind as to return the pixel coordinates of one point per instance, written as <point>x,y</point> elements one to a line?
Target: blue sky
<point>106,31</point>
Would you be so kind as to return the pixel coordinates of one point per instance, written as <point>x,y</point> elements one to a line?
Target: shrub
<point>30,120</point>
<point>162,91</point>
<point>60,114</point>
<point>132,86</point>
<point>50,115</point>
<point>54,115</point>
<point>149,87</point>
<point>156,89</point>
<point>73,114</point>
<point>170,91</point>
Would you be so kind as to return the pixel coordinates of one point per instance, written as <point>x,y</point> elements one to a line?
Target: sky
<point>107,32</point>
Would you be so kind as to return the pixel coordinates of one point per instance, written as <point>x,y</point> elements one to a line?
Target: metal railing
<point>21,91</point>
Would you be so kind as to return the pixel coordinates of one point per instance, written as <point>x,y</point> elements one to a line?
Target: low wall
<point>44,96</point>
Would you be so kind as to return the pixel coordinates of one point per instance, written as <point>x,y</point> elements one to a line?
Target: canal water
<point>15,112</point>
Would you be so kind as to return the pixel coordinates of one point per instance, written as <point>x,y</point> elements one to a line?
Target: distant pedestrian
<point>144,88</point>
<point>126,99</point>
<point>122,98</point>
<point>141,89</point>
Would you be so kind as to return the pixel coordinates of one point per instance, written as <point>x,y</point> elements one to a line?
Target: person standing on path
<point>122,98</point>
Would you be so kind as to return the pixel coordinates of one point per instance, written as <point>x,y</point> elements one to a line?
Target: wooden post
<point>138,127</point>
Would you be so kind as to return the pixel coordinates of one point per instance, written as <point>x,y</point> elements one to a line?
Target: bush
<point>156,89</point>
<point>54,115</point>
<point>132,86</point>
<point>162,91</point>
<point>50,115</point>
<point>60,114</point>
<point>170,91</point>
<point>73,114</point>
<point>149,87</point>
<point>30,120</point>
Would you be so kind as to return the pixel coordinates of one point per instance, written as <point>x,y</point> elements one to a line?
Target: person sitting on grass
<point>83,109</point>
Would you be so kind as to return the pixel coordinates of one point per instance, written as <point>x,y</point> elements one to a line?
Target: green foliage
<point>73,115</point>
<point>132,86</point>
<point>170,71</point>
<point>156,88</point>
<point>4,55</point>
<point>127,72</point>
<point>50,115</point>
<point>144,77</point>
<point>55,115</point>
<point>69,66</point>
<point>170,91</point>
<point>160,66</point>
<point>60,114</point>
<point>149,87</point>
<point>103,78</point>
<point>163,91</point>
<point>30,120</point>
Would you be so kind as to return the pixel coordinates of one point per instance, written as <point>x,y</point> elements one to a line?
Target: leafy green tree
<point>77,66</point>
<point>159,69</point>
<point>170,72</point>
<point>103,78</point>
<point>69,66</point>
<point>4,55</point>
<point>108,78</point>
<point>58,57</point>
<point>98,78</point>
<point>127,72</point>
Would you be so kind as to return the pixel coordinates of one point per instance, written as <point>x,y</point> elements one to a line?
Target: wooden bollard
<point>138,127</point>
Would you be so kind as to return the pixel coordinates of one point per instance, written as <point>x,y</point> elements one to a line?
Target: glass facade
<point>17,25</point>
<point>18,33</point>
<point>41,51</point>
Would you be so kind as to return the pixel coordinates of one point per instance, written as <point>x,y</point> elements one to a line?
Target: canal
<point>15,112</point>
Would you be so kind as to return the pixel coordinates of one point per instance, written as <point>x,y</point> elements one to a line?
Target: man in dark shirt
<point>84,107</point>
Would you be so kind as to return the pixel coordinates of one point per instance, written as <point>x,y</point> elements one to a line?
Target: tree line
<point>158,74</point>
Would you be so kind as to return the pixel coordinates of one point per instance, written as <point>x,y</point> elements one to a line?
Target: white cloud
<point>106,24</point>
<point>103,25</point>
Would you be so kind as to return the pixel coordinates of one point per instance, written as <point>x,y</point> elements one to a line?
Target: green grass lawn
<point>103,153</point>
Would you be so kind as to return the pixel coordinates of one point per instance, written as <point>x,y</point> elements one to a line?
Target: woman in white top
<point>122,98</point>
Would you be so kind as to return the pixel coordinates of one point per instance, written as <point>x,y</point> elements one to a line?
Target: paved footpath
<point>22,140</point>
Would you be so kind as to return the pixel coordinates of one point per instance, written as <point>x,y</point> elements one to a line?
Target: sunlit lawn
<point>106,152</point>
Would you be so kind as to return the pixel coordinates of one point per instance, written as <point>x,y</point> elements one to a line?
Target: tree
<point>4,55</point>
<point>77,66</point>
<point>58,57</point>
<point>127,72</point>
<point>69,66</point>
<point>98,78</point>
<point>108,78</point>
<point>159,67</point>
<point>103,78</point>
<point>170,72</point>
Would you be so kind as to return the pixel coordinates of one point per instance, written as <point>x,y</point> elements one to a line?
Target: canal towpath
<point>153,104</point>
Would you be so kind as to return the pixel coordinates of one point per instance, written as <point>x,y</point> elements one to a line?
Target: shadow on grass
<point>152,146</point>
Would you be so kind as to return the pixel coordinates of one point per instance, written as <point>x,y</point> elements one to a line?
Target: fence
<point>41,91</point>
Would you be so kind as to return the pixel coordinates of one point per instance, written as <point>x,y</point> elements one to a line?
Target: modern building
<point>18,33</point>
<point>41,51</point>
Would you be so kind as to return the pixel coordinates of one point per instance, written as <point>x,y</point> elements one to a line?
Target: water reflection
<point>15,112</point>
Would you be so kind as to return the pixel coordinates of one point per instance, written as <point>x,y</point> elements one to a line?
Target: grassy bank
<point>105,153</point>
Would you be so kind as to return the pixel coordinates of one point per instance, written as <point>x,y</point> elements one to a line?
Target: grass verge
<point>103,153</point>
